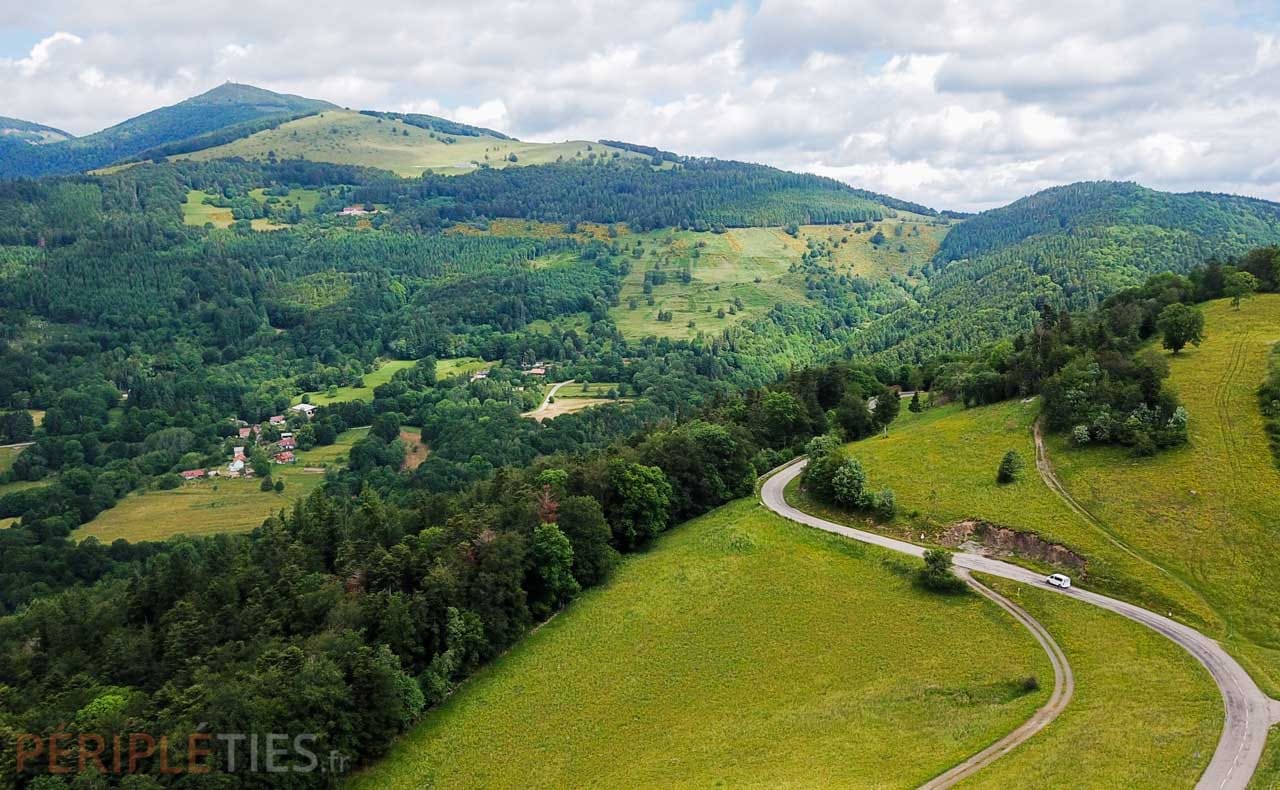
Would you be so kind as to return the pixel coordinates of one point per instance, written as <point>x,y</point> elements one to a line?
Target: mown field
<point>345,137</point>
<point>941,465</point>
<point>459,366</point>
<point>195,211</point>
<point>746,269</point>
<point>741,650</point>
<point>1207,512</point>
<point>909,241</point>
<point>385,370</point>
<point>206,507</point>
<point>1144,713</point>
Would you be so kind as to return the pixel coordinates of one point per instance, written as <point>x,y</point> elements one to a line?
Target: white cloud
<point>40,54</point>
<point>955,103</point>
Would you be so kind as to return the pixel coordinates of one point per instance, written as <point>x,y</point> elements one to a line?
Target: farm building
<point>193,474</point>
<point>284,458</point>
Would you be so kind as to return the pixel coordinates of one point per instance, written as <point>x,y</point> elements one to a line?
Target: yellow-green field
<point>1208,512</point>
<point>345,137</point>
<point>593,389</point>
<point>385,370</point>
<point>1144,713</point>
<point>205,507</point>
<point>910,240</point>
<point>195,211</point>
<point>7,457</point>
<point>741,650</point>
<point>746,271</point>
<point>459,366</point>
<point>726,268</point>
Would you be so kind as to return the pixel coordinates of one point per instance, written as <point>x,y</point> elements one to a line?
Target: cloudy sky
<point>954,103</point>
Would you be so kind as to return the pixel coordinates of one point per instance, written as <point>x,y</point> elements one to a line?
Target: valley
<point>519,403</point>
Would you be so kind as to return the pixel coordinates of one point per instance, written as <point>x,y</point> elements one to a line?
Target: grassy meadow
<point>346,137</point>
<point>1144,713</point>
<point>746,271</point>
<point>459,366</point>
<point>751,265</point>
<point>385,370</point>
<point>195,211</point>
<point>206,507</point>
<point>941,465</point>
<point>744,650</point>
<point>1208,511</point>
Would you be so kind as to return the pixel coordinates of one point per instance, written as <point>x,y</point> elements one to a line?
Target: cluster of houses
<point>282,450</point>
<point>536,369</point>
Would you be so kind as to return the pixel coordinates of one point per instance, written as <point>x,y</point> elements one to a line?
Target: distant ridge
<point>31,132</point>
<point>224,107</point>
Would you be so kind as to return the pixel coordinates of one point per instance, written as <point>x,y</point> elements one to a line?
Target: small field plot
<point>741,650</point>
<point>195,211</point>
<point>385,370</point>
<point>896,246</point>
<point>206,507</point>
<point>460,366</point>
<point>588,390</point>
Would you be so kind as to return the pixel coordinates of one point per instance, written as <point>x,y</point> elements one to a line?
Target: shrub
<point>936,574</point>
<point>1011,467</point>
<point>886,504</point>
<point>848,484</point>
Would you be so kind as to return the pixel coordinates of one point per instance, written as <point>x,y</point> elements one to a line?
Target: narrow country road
<point>1249,712</point>
<point>546,401</point>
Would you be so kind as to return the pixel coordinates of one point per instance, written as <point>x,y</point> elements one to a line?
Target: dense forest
<point>1070,247</point>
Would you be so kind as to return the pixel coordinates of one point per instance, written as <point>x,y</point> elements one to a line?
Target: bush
<point>168,482</point>
<point>1011,467</point>
<point>886,504</point>
<point>266,484</point>
<point>936,574</point>
<point>848,484</point>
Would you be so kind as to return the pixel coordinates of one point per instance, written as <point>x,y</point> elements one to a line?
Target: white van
<point>1059,580</point>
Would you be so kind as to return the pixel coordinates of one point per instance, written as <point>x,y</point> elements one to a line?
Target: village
<point>275,438</point>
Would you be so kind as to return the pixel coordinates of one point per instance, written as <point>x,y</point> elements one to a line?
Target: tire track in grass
<point>1064,686</point>
<point>1045,467</point>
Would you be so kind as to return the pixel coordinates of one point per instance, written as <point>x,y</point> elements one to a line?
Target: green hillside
<point>405,145</point>
<point>1071,247</point>
<point>1188,531</point>
<point>29,132</point>
<point>228,105</point>
<point>744,649</point>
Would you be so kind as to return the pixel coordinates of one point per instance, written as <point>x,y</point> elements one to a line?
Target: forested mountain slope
<point>1069,246</point>
<point>28,132</point>
<point>228,105</point>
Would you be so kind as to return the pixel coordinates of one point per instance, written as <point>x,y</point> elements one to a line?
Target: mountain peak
<point>240,93</point>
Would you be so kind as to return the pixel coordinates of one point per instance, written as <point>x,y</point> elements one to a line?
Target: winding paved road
<point>1249,712</point>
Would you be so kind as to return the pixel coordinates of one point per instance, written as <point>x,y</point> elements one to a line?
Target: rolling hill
<point>407,145</point>
<point>229,106</point>
<point>12,129</point>
<point>1070,246</point>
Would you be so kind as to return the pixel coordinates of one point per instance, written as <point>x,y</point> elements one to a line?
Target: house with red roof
<point>284,458</point>
<point>193,474</point>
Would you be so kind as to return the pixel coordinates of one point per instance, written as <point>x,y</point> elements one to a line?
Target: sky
<point>962,104</point>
